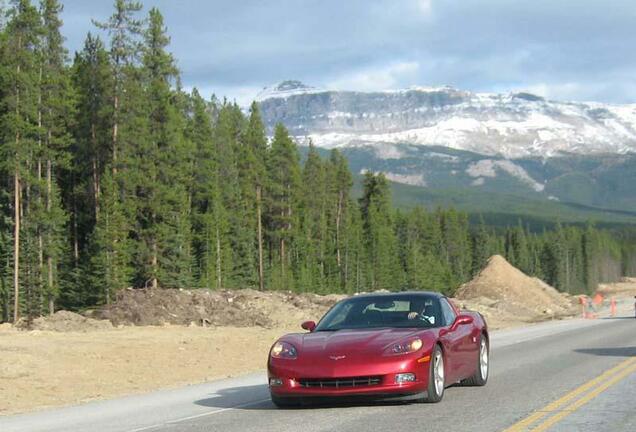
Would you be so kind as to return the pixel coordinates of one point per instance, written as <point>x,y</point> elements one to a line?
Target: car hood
<point>352,343</point>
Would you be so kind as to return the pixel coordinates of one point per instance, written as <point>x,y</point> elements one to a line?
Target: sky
<point>581,50</point>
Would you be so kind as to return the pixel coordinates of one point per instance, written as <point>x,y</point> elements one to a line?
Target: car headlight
<point>283,350</point>
<point>408,346</point>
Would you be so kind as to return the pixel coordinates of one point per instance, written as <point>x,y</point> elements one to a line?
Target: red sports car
<point>405,346</point>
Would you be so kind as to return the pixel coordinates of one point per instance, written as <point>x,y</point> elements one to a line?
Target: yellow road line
<point>585,399</point>
<point>553,406</point>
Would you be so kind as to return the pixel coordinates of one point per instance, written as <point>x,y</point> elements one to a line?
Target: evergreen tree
<point>312,243</point>
<point>482,247</point>
<point>124,31</point>
<point>93,86</point>
<point>375,206</point>
<point>253,177</point>
<point>233,242</point>
<point>207,212</point>
<point>283,167</point>
<point>19,125</point>
<point>161,194</point>
<point>58,110</point>
<point>339,211</point>
<point>111,249</point>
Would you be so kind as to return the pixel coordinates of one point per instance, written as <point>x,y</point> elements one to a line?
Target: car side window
<point>447,312</point>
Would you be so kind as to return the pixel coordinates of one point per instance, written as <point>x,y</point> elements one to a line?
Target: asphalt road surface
<point>573,375</point>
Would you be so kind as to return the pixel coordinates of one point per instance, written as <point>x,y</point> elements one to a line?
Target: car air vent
<point>347,382</point>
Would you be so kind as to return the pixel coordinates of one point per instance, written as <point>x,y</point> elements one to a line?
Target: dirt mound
<point>625,288</point>
<point>504,289</point>
<point>241,308</point>
<point>65,321</point>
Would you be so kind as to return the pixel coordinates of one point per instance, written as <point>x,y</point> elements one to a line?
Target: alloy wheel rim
<point>483,359</point>
<point>439,373</point>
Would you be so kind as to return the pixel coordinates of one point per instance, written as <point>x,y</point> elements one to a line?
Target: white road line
<point>205,414</point>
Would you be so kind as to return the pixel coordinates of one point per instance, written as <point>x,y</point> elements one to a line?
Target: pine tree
<point>162,195</point>
<point>233,239</point>
<point>381,242</point>
<point>482,247</point>
<point>253,177</point>
<point>339,210</point>
<point>124,31</point>
<point>456,249</point>
<point>207,211</point>
<point>58,108</point>
<point>283,167</point>
<point>110,245</point>
<point>313,205</point>
<point>19,123</point>
<point>93,86</point>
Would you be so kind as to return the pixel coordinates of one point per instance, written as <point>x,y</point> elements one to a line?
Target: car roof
<point>400,294</point>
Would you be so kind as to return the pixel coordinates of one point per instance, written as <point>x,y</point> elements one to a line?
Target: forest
<point>113,176</point>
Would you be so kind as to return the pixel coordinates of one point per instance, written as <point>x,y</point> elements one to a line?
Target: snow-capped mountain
<point>511,125</point>
<point>285,89</point>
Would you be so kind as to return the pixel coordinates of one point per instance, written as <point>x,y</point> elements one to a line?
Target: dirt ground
<point>40,369</point>
<point>156,340</point>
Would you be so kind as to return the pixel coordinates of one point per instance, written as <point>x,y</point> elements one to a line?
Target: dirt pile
<point>65,321</point>
<point>241,308</point>
<point>625,288</point>
<point>502,291</point>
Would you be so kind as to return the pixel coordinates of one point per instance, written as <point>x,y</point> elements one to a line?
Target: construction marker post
<point>583,302</point>
<point>612,307</point>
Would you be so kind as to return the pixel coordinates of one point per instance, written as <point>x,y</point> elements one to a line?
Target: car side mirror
<point>308,325</point>
<point>462,320</point>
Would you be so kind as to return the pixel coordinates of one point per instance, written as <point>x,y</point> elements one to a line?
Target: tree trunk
<point>96,185</point>
<point>16,203</point>
<point>154,281</point>
<point>219,280</point>
<point>39,200</point>
<point>261,275</point>
<point>338,216</point>
<point>282,262</point>
<point>115,131</point>
<point>49,258</point>
<point>16,243</point>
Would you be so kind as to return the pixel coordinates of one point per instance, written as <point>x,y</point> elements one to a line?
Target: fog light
<point>275,382</point>
<point>404,378</point>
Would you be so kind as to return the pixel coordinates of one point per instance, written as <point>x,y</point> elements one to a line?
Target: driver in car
<point>426,312</point>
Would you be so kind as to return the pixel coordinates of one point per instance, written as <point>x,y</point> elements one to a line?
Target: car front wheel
<point>436,379</point>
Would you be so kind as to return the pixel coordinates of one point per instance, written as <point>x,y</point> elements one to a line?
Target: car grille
<point>347,382</point>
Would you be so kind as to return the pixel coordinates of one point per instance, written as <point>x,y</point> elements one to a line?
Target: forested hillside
<point>113,176</point>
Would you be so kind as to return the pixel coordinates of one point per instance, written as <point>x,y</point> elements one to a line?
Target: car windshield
<point>399,311</point>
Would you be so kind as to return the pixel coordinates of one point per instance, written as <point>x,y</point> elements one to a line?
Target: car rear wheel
<point>436,378</point>
<point>480,378</point>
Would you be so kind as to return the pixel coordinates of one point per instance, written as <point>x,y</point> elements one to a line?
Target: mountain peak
<point>285,89</point>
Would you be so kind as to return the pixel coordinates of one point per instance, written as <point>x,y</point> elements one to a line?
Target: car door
<point>460,345</point>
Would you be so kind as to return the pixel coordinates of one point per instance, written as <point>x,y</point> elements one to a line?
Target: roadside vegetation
<point>113,176</point>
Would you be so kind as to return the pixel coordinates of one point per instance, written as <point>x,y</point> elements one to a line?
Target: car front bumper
<point>292,380</point>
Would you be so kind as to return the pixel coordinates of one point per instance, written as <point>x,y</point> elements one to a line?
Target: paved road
<point>543,377</point>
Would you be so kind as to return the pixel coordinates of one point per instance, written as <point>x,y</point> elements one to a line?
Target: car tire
<point>436,377</point>
<point>482,371</point>
<point>284,402</point>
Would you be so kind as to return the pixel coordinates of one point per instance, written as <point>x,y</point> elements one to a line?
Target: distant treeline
<point>113,176</point>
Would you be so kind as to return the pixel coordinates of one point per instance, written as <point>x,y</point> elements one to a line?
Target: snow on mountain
<point>511,125</point>
<point>285,89</point>
<point>489,167</point>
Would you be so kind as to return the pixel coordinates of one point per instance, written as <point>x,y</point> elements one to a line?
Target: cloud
<point>378,78</point>
<point>425,6</point>
<point>574,48</point>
